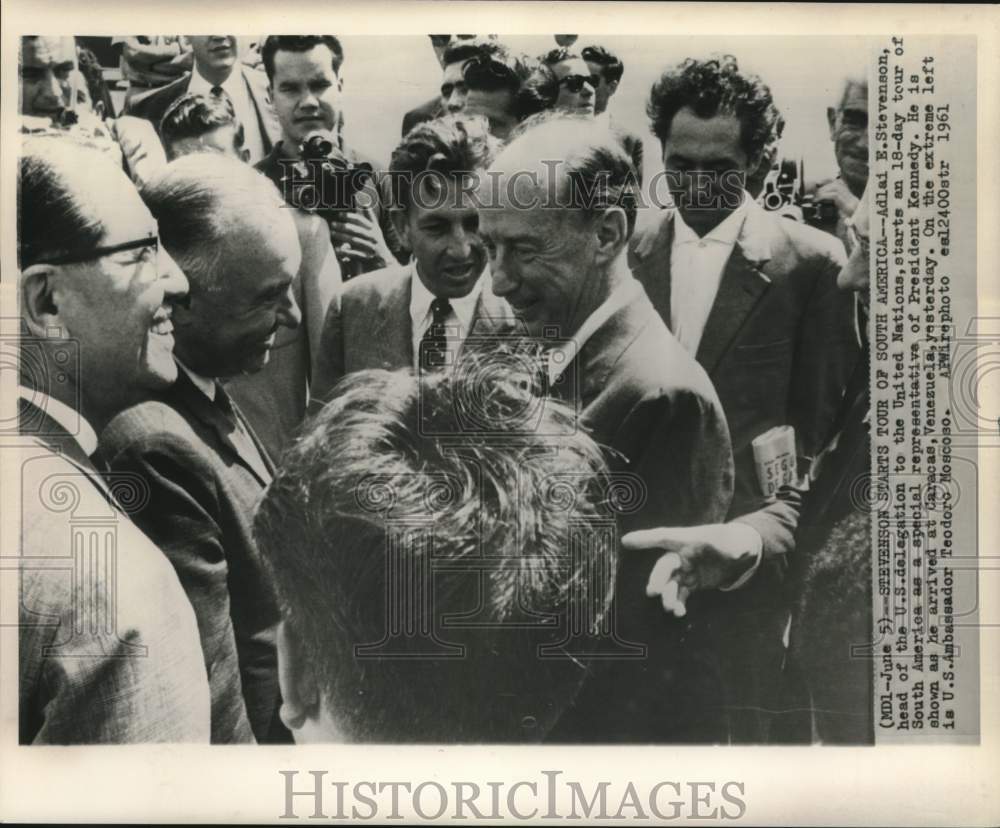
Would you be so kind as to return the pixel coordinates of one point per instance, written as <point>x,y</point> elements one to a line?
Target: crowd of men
<point>466,454</point>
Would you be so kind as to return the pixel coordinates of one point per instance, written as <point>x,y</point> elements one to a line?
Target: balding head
<point>228,229</point>
<point>561,210</point>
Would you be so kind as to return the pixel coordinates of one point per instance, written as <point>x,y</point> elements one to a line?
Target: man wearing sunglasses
<point>96,295</point>
<point>577,84</point>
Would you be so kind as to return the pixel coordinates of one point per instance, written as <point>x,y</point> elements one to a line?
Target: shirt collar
<point>203,384</point>
<point>727,232</point>
<point>563,354</point>
<point>421,298</point>
<point>199,84</point>
<point>72,421</point>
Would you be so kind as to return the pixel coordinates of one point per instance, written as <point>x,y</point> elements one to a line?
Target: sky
<point>385,76</point>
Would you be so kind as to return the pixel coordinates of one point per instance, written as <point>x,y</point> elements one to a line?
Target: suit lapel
<point>54,437</point>
<point>270,128</point>
<point>210,415</point>
<point>652,264</point>
<point>392,328</point>
<point>742,286</point>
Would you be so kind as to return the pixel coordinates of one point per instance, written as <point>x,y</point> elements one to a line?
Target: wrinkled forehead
<point>47,51</point>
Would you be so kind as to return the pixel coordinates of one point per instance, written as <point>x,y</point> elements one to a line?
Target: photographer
<point>305,85</point>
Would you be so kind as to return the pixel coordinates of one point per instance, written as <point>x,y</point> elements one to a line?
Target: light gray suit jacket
<point>368,326</point>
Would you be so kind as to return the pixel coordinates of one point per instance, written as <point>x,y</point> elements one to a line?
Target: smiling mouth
<point>162,325</point>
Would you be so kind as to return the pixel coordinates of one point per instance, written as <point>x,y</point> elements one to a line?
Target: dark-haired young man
<point>305,85</point>
<point>507,88</point>
<point>754,298</point>
<point>382,321</point>
<point>218,71</point>
<point>577,85</point>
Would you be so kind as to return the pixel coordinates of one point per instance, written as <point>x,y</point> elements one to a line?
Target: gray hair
<point>198,200</point>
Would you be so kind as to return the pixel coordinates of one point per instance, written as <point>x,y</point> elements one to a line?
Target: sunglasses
<point>78,257</point>
<point>574,83</point>
<point>485,66</point>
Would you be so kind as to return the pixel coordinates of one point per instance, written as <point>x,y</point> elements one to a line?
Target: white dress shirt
<point>457,323</point>
<point>696,268</point>
<point>563,354</point>
<point>72,421</point>
<point>239,93</point>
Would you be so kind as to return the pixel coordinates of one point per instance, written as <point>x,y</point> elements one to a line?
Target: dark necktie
<point>434,345</point>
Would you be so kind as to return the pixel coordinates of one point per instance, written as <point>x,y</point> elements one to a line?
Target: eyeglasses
<point>574,83</point>
<point>151,245</point>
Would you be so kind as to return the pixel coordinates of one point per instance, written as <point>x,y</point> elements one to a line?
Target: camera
<point>324,181</point>
<point>783,192</point>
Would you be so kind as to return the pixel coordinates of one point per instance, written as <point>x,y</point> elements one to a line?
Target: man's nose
<point>52,89</point>
<point>502,273</point>
<point>456,100</point>
<point>175,283</point>
<point>289,313</point>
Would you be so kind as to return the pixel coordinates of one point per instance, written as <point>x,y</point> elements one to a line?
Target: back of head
<point>193,115</point>
<point>382,534</point>
<point>446,148</point>
<point>712,87</point>
<point>201,200</point>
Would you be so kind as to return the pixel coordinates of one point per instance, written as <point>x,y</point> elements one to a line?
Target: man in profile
<point>494,576</point>
<point>203,464</point>
<point>112,656</point>
<point>607,69</point>
<point>419,315</point>
<point>451,51</point>
<point>561,264</point>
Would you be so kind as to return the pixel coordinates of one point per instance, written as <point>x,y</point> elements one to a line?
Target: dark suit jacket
<point>368,326</point>
<point>145,680</point>
<point>427,111</point>
<point>779,346</point>
<point>779,343</point>
<point>153,105</point>
<point>204,488</point>
<point>642,396</point>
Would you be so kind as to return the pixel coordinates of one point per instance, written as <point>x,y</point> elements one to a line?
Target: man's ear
<point>299,689</point>
<point>612,233</point>
<point>244,154</point>
<point>831,120</point>
<point>612,88</point>
<point>39,308</point>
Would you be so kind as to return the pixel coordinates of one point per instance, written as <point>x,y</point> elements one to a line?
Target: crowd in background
<point>465,447</point>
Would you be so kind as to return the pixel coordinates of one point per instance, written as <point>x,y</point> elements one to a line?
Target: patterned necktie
<point>434,345</point>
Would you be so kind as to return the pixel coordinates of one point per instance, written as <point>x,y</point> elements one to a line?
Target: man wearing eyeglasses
<point>96,295</point>
<point>204,465</point>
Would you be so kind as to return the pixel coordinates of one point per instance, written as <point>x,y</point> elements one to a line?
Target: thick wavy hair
<point>445,148</point>
<point>711,87</point>
<point>429,499</point>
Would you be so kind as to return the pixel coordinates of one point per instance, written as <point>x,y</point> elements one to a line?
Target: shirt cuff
<point>756,544</point>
